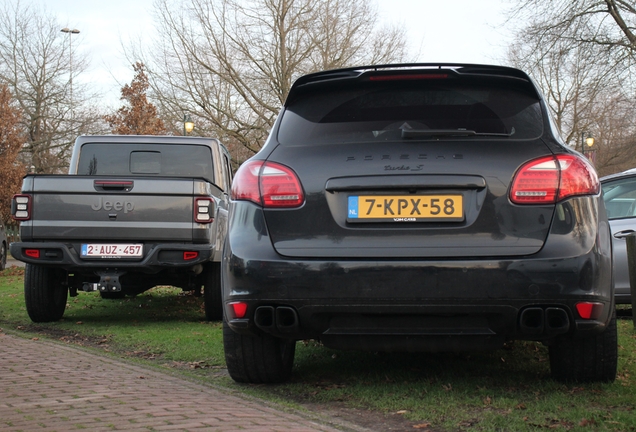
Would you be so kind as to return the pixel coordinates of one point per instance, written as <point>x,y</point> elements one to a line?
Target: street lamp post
<point>587,145</point>
<point>188,125</point>
<point>70,49</point>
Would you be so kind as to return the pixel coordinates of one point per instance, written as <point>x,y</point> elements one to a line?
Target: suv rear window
<point>143,160</point>
<point>380,110</point>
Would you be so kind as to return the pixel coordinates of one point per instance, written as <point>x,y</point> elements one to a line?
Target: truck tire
<point>262,359</point>
<point>212,298</point>
<point>591,359</point>
<point>44,293</point>
<point>3,256</point>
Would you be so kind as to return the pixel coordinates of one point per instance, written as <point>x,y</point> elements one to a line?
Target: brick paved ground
<point>45,386</point>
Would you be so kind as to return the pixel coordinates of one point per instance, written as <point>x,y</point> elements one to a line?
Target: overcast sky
<point>466,31</point>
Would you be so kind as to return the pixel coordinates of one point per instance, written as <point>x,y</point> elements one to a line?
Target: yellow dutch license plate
<point>405,208</point>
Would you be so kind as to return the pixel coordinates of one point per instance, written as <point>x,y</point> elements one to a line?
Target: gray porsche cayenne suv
<point>420,207</point>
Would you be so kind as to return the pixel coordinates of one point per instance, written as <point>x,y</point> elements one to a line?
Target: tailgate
<point>461,188</point>
<point>67,208</point>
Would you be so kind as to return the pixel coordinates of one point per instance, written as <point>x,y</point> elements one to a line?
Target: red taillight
<point>551,179</point>
<point>32,253</point>
<point>589,310</point>
<point>280,187</point>
<point>245,183</point>
<point>21,207</point>
<point>268,184</point>
<point>239,309</point>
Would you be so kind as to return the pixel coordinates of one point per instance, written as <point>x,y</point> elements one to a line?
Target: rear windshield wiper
<point>419,133</point>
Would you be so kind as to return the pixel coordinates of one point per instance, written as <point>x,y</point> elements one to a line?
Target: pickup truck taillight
<point>21,207</point>
<point>204,210</point>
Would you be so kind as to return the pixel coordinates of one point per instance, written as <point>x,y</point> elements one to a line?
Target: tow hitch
<point>108,282</point>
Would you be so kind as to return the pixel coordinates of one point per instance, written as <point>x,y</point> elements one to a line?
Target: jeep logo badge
<point>126,206</point>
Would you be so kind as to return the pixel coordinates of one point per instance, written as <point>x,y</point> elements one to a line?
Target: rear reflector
<point>239,309</point>
<point>589,310</point>
<point>269,184</point>
<point>32,253</point>
<point>190,255</point>
<point>550,179</point>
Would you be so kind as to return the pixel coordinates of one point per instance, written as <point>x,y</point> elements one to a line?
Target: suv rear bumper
<point>415,304</point>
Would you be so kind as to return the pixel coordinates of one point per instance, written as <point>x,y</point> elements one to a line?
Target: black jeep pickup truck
<point>134,212</point>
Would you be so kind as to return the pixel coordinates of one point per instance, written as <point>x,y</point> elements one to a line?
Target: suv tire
<point>212,298</point>
<point>44,293</point>
<point>260,359</point>
<point>591,359</point>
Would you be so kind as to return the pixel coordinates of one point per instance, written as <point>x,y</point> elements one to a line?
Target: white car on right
<point>619,194</point>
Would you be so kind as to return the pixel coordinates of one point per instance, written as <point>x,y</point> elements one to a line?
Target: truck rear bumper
<point>156,257</point>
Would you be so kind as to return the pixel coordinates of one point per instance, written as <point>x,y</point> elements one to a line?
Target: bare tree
<point>35,64</point>
<point>231,63</point>
<point>581,54</point>
<point>138,116</point>
<point>571,77</point>
<point>608,24</point>
<point>615,130</point>
<point>11,140</point>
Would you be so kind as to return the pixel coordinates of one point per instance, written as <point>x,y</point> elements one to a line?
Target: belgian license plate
<point>104,250</point>
<point>405,208</point>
